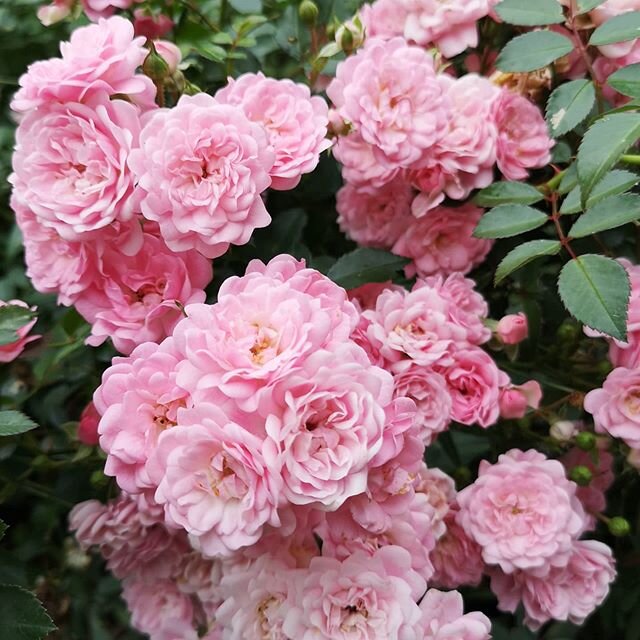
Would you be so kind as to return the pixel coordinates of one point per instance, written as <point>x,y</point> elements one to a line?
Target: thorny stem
<point>555,216</point>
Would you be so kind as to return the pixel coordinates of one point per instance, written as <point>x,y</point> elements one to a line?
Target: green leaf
<point>524,254</point>
<point>607,214</point>
<point>246,6</point>
<point>602,145</point>
<point>210,51</point>
<point>595,290</point>
<point>3,528</point>
<point>532,51</point>
<point>14,422</point>
<point>23,616</point>
<point>569,179</point>
<point>509,220</point>
<point>618,29</point>
<point>12,318</point>
<point>626,80</point>
<point>365,265</point>
<point>569,105</point>
<point>507,193</point>
<point>526,13</point>
<point>587,5</point>
<point>614,182</point>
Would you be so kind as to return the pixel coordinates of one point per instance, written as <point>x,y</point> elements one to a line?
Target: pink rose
<point>213,481</point>
<point>522,511</point>
<point>100,58</point>
<point>151,26</point>
<point>55,12</point>
<point>515,399</point>
<point>11,350</point>
<point>389,92</point>
<point>70,164</point>
<point>366,295</point>
<point>474,382</point>
<point>443,618</point>
<point>513,328</point>
<point>96,9</point>
<point>88,426</point>
<point>441,242</point>
<point>570,592</point>
<point>369,597</point>
<point>200,169</point>
<point>296,122</point>
<point>170,53</point>
<point>523,137</point>
<point>616,406</point>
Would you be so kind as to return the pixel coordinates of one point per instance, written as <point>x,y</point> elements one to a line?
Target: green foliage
<point>508,193</point>
<point>626,80</point>
<point>613,183</point>
<point>532,51</point>
<point>569,105</point>
<point>22,615</point>
<point>524,254</point>
<point>15,422</point>
<point>527,13</point>
<point>365,265</point>
<point>617,29</point>
<point>12,318</point>
<point>508,220</point>
<point>607,214</point>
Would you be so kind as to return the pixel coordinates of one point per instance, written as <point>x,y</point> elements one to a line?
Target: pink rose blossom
<point>569,592</point>
<point>366,295</point>
<point>515,399</point>
<point>88,426</point>
<point>440,490</point>
<point>151,26</point>
<point>523,137</point>
<point>139,298</point>
<point>96,9</point>
<point>70,164</point>
<point>11,350</point>
<point>474,382</point>
<point>616,406</point>
<point>522,511</point>
<point>375,217</point>
<point>441,242</point>
<point>362,597</point>
<point>513,328</point>
<point>170,53</point>
<point>99,59</point>
<point>389,92</point>
<point>55,12</point>
<point>213,481</point>
<point>296,122</point>
<point>200,169</point>
<point>443,618</point>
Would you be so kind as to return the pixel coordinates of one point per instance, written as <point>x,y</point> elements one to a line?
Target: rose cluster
<point>411,136</point>
<point>121,204</point>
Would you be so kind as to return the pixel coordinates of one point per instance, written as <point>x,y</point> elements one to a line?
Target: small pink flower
<point>375,217</point>
<point>522,511</point>
<point>11,350</point>
<point>96,9</point>
<point>513,328</point>
<point>570,592</point>
<point>88,426</point>
<point>200,170</point>
<point>151,26</point>
<point>364,596</point>
<point>523,137</point>
<point>170,53</point>
<point>443,618</point>
<point>515,399</point>
<point>70,164</point>
<point>389,92</point>
<point>441,242</point>
<point>296,122</point>
<point>55,12</point>
<point>616,406</point>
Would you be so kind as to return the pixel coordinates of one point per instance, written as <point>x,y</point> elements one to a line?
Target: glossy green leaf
<point>569,105</point>
<point>524,254</point>
<point>507,193</point>
<point>509,220</point>
<point>22,616</point>
<point>532,51</point>
<point>365,265</point>
<point>588,5</point>
<point>626,80</point>
<point>608,214</point>
<point>614,182</point>
<point>617,29</point>
<point>595,290</point>
<point>14,422</point>
<point>246,6</point>
<point>530,14</point>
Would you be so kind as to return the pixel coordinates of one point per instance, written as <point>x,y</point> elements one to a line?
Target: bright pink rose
<point>523,137</point>
<point>130,543</point>
<point>88,426</point>
<point>375,217</point>
<point>515,399</point>
<point>138,400</point>
<point>160,609</point>
<point>513,328</point>
<point>441,242</point>
<point>96,9</point>
<point>213,481</point>
<point>200,169</point>
<point>522,511</point>
<point>474,382</point>
<point>296,122</point>
<point>140,298</point>
<point>429,391</point>
<point>616,406</point>
<point>389,92</point>
<point>363,597</point>
<point>457,559</point>
<point>100,58</point>
<point>443,618</point>
<point>11,350</point>
<point>70,164</point>
<point>569,592</point>
<point>328,425</point>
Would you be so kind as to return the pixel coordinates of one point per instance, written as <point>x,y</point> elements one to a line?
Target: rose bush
<point>319,320</point>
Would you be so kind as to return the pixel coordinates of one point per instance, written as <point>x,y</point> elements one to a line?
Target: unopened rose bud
<point>154,66</point>
<point>308,12</point>
<point>88,427</point>
<point>54,12</point>
<point>513,328</point>
<point>514,400</point>
<point>170,53</point>
<point>568,332</point>
<point>581,475</point>
<point>150,26</point>
<point>586,441</point>
<point>619,527</point>
<point>563,430</point>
